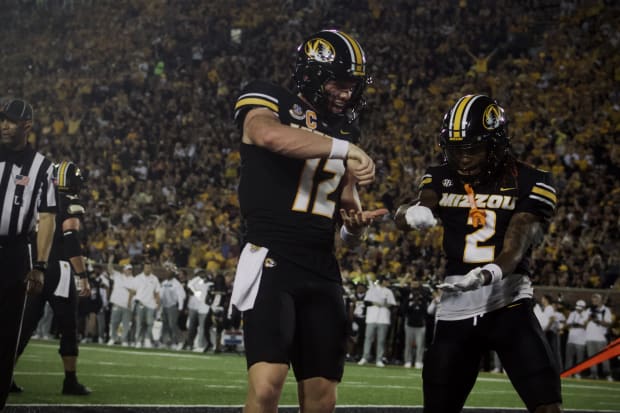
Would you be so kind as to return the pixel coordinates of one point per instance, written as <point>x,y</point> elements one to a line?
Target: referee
<point>26,194</point>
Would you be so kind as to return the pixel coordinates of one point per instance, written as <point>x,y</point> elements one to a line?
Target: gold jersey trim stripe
<point>257,101</point>
<point>547,194</point>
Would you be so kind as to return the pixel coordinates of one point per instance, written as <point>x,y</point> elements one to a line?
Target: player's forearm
<point>286,140</point>
<point>45,235</point>
<point>523,231</point>
<point>78,264</point>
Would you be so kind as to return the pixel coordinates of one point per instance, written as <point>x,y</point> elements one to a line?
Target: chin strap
<point>478,217</point>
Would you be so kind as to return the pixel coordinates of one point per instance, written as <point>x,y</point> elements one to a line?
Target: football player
<point>299,171</point>
<point>493,209</point>
<point>66,262</point>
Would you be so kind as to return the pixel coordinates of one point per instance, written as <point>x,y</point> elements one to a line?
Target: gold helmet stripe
<point>458,117</point>
<point>62,170</point>
<point>358,58</point>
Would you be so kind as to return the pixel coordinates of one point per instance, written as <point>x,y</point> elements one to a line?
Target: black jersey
<point>526,190</point>
<point>69,206</point>
<point>288,203</point>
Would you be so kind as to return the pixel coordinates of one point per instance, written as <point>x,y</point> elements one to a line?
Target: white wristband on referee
<point>340,149</point>
<point>495,270</point>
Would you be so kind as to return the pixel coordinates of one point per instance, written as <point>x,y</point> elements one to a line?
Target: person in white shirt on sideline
<point>377,319</point>
<point>147,300</point>
<point>576,341</point>
<point>599,320</point>
<point>198,311</point>
<point>547,317</point>
<point>172,301</point>
<point>123,290</point>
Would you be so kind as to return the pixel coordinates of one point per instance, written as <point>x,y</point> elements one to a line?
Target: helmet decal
<point>320,50</point>
<point>491,117</point>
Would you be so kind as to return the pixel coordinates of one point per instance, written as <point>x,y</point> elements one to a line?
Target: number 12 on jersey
<point>316,189</point>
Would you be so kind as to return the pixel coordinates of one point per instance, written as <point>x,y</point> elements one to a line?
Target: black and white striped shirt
<point>26,188</point>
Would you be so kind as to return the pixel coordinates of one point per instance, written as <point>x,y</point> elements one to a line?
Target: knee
<point>265,394</point>
<point>323,400</point>
<point>326,403</point>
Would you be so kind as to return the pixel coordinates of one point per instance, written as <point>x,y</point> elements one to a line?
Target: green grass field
<point>157,377</point>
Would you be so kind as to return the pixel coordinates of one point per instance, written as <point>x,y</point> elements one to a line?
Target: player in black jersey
<point>59,288</point>
<point>299,169</point>
<point>493,209</point>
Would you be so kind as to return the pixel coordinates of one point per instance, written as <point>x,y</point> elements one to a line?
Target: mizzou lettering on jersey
<point>467,247</point>
<point>482,201</point>
<point>288,202</point>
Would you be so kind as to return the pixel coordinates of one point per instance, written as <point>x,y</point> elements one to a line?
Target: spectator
<point>172,301</point>
<point>121,298</point>
<point>599,321</point>
<point>147,300</point>
<point>576,341</point>
<point>379,298</point>
<point>415,300</point>
<point>199,287</point>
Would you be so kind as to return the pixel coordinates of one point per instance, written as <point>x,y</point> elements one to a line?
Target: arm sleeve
<point>48,202</point>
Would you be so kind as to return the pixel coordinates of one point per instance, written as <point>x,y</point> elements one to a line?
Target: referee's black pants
<point>14,265</point>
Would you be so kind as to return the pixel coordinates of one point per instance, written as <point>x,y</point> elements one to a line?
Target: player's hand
<point>420,217</point>
<point>84,287</point>
<point>356,221</point>
<point>470,281</point>
<point>34,282</point>
<point>361,165</point>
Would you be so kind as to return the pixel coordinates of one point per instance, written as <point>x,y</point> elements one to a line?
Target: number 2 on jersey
<point>308,182</point>
<point>474,253</point>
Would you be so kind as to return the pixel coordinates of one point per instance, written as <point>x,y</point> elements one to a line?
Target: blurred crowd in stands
<point>139,94</point>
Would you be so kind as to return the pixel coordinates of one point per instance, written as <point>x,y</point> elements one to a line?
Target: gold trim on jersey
<point>257,101</point>
<point>545,193</point>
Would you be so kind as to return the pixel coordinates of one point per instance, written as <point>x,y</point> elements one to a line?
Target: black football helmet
<point>68,177</point>
<point>475,124</point>
<point>331,55</point>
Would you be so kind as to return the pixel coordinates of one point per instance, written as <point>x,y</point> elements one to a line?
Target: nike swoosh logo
<point>506,189</point>
<point>342,132</point>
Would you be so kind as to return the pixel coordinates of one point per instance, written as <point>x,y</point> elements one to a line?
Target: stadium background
<point>139,94</point>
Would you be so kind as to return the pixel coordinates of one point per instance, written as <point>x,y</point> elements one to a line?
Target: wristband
<point>340,149</point>
<point>81,274</point>
<point>40,265</point>
<point>495,271</point>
